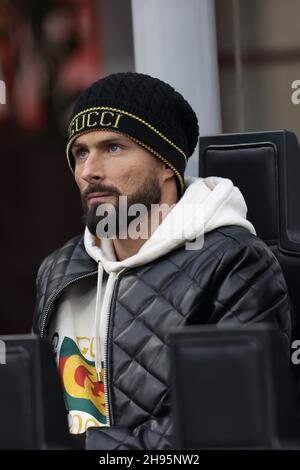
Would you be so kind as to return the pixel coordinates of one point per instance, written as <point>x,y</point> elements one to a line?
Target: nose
<point>92,168</point>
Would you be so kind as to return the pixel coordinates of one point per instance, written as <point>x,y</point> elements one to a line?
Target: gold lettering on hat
<point>89,119</point>
<point>117,120</point>
<point>102,123</point>
<point>88,123</point>
<point>77,128</point>
<point>71,130</point>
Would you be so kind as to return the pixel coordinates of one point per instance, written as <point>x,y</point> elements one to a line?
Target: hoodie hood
<point>207,204</point>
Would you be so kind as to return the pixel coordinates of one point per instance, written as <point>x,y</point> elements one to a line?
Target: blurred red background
<point>49,51</point>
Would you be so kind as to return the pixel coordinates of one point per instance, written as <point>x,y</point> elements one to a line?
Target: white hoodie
<point>82,315</point>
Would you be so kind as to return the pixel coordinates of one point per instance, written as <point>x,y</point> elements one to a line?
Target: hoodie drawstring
<point>98,358</point>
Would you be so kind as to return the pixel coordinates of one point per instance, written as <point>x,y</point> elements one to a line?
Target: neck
<point>127,247</point>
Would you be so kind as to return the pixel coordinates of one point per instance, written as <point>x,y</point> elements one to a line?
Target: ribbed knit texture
<point>155,114</point>
<point>147,96</point>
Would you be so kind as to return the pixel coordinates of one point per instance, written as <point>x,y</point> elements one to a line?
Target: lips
<point>98,197</point>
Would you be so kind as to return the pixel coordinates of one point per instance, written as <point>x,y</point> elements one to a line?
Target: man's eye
<point>82,153</point>
<point>114,148</point>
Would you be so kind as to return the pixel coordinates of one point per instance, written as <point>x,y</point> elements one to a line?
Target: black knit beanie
<point>146,109</point>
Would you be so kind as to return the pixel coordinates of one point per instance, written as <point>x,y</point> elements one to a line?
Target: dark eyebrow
<point>106,141</point>
<point>76,146</point>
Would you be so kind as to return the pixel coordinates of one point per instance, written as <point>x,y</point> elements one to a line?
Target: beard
<point>147,194</point>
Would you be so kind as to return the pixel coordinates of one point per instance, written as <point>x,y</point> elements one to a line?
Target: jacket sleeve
<point>247,286</point>
<point>40,294</point>
<point>155,433</point>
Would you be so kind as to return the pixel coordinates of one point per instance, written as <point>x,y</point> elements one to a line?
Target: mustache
<point>99,188</point>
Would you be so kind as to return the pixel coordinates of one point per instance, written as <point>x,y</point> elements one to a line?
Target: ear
<point>167,172</point>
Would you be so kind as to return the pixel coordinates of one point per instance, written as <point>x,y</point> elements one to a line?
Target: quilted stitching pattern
<point>234,277</point>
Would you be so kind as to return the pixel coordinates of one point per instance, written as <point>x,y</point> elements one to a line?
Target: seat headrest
<point>265,166</point>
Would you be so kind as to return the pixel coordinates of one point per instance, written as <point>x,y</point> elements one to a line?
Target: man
<point>183,254</point>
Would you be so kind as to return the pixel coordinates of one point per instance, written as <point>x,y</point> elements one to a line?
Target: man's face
<point>109,165</point>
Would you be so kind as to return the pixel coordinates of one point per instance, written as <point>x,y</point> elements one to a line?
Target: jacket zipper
<point>107,394</point>
<point>56,294</point>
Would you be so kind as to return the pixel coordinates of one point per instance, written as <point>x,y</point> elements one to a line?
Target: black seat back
<point>265,166</point>
<point>32,409</point>
<point>241,396</point>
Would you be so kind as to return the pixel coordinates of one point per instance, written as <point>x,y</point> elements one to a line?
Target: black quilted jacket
<point>234,277</point>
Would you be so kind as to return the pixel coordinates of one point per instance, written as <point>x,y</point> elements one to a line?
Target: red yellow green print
<point>82,390</point>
